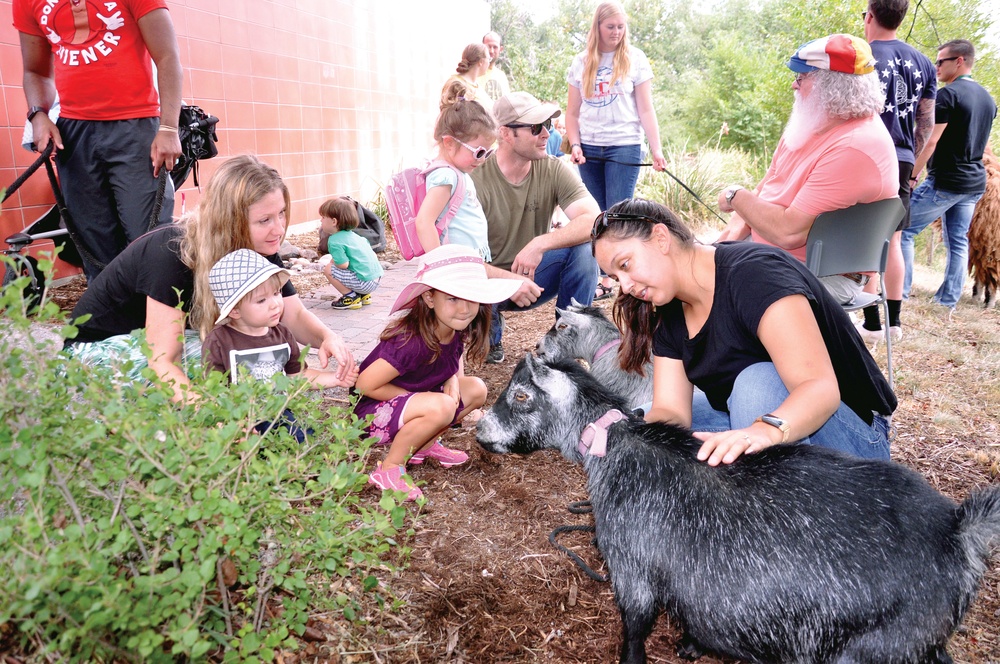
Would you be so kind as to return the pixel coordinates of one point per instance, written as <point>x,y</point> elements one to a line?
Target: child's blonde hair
<point>273,282</point>
<point>465,120</point>
<point>621,61</point>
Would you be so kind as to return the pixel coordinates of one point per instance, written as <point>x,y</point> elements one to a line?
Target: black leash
<point>579,507</point>
<point>676,179</point>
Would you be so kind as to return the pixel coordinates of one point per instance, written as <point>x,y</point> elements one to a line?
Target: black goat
<point>793,554</point>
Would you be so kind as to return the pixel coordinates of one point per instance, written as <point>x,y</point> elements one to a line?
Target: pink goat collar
<point>605,348</point>
<point>594,439</point>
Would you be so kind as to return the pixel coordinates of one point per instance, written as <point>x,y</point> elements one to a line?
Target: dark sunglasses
<point>941,61</point>
<point>605,218</point>
<point>536,129</point>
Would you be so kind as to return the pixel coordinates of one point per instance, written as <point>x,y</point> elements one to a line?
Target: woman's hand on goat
<point>728,446</point>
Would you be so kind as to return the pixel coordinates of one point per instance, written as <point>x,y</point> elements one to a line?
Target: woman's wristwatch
<point>777,423</point>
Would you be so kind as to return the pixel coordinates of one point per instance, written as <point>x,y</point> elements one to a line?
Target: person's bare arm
<point>430,209</point>
<point>928,151</point>
<point>39,88</point>
<point>647,118</point>
<point>924,125</point>
<point>582,213</point>
<point>158,34</point>
<point>573,101</point>
<point>310,330</point>
<point>164,334</point>
<point>787,228</point>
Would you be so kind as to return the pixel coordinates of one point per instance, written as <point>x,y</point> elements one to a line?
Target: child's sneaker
<point>366,299</point>
<point>446,456</point>
<point>394,479</point>
<point>348,302</point>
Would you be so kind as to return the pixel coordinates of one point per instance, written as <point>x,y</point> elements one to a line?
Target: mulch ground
<point>483,584</point>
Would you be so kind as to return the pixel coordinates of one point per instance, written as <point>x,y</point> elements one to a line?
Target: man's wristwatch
<point>731,192</point>
<point>36,109</point>
<point>778,423</point>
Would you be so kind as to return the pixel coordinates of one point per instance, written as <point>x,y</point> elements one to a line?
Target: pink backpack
<point>403,196</point>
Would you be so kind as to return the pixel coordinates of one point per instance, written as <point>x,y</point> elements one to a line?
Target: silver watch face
<point>773,421</point>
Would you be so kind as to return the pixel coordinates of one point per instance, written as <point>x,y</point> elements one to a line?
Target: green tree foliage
<point>723,62</point>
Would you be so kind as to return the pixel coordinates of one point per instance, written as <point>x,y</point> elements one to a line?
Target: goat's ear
<point>559,313</point>
<point>573,302</point>
<point>529,364</point>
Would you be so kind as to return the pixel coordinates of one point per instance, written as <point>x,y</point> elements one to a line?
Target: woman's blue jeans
<point>609,181</point>
<point>759,390</point>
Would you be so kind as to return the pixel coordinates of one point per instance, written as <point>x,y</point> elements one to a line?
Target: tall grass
<point>705,171</point>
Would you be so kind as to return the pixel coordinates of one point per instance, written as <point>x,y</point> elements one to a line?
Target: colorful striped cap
<point>844,53</point>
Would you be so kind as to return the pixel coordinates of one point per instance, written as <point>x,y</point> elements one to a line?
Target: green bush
<point>133,529</point>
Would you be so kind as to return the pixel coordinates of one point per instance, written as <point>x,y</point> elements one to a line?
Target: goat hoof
<point>688,648</point>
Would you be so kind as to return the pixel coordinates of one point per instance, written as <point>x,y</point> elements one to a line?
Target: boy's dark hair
<point>888,13</point>
<point>344,210</point>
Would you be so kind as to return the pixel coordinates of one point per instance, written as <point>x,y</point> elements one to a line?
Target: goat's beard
<point>808,119</point>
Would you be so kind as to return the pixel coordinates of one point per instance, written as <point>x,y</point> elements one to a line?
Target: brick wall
<point>336,94</point>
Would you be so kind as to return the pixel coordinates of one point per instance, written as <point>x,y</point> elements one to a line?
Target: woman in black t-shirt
<point>244,207</point>
<point>773,357</point>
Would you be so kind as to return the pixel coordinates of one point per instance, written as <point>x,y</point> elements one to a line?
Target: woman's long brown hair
<point>634,317</point>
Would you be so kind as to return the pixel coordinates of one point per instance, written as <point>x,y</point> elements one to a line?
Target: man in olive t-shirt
<point>519,188</point>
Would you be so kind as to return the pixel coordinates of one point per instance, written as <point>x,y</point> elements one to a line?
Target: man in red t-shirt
<point>115,132</point>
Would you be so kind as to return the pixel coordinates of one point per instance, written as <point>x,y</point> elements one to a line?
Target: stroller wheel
<point>24,266</point>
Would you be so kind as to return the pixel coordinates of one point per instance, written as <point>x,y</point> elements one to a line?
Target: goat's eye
<point>521,396</point>
<point>561,326</point>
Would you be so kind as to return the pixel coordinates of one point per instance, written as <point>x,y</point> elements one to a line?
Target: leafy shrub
<point>133,529</point>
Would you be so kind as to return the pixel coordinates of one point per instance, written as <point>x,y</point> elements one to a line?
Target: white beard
<point>806,121</point>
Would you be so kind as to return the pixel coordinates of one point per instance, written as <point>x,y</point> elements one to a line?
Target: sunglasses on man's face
<point>941,61</point>
<point>605,218</point>
<point>536,129</point>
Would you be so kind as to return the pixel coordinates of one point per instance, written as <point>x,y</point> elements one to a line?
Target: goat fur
<point>984,236</point>
<point>793,554</point>
<point>579,333</point>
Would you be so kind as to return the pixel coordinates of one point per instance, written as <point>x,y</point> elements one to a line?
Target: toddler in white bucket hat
<point>248,334</point>
<point>413,383</point>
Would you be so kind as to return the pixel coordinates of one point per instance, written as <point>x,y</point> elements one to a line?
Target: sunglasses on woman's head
<point>605,218</point>
<point>479,153</point>
<point>536,129</point>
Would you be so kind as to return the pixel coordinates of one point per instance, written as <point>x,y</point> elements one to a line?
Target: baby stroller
<point>51,225</point>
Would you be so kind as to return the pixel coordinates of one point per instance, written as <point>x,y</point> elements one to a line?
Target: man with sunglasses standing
<point>520,187</point>
<point>834,153</point>
<point>956,177</point>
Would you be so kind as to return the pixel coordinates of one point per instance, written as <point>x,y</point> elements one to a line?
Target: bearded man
<point>834,152</point>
